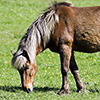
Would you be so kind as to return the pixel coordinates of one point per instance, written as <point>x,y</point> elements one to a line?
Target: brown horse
<point>63,29</point>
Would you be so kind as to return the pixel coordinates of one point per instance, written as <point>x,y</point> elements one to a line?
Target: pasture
<point>15,18</point>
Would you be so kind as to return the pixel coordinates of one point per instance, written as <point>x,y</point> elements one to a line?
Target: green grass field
<point>15,18</point>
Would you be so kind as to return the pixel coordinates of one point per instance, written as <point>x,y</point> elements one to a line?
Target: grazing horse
<point>63,29</point>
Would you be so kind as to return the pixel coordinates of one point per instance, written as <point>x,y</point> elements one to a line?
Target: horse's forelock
<point>18,62</point>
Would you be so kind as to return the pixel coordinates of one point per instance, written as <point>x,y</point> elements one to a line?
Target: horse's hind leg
<point>75,72</point>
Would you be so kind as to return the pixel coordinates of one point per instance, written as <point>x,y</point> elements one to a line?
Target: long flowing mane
<point>38,33</point>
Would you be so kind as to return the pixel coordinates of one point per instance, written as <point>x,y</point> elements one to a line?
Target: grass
<point>15,18</point>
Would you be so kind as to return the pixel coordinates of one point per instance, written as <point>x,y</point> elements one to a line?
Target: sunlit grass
<point>15,18</point>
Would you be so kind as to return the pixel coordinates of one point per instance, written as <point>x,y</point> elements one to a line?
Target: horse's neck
<point>39,33</point>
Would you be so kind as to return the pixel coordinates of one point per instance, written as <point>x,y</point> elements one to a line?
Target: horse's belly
<point>87,42</point>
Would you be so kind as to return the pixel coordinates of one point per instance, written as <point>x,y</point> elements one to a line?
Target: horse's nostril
<point>29,90</point>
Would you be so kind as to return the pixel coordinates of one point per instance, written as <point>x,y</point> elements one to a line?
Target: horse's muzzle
<point>28,90</point>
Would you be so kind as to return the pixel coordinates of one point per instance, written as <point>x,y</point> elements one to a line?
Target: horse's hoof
<point>63,91</point>
<point>81,90</point>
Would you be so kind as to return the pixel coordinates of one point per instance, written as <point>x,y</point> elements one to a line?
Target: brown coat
<point>82,23</point>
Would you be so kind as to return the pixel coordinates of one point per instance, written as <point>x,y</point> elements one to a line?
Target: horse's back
<point>87,29</point>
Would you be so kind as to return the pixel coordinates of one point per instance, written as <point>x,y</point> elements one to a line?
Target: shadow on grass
<point>39,89</point>
<point>10,88</point>
<point>35,89</point>
<point>45,89</point>
<point>94,90</point>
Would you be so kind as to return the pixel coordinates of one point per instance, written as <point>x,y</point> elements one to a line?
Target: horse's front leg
<point>65,54</point>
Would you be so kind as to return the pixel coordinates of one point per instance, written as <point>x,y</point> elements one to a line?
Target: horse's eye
<point>26,68</point>
<point>30,75</point>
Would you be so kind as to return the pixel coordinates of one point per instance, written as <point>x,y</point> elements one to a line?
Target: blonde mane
<point>38,33</point>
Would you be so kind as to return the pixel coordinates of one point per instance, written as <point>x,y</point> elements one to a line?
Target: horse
<point>63,29</point>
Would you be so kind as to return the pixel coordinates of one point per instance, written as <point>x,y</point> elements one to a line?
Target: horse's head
<point>27,70</point>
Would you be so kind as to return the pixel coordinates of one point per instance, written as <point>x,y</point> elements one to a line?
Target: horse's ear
<point>13,53</point>
<point>25,54</point>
